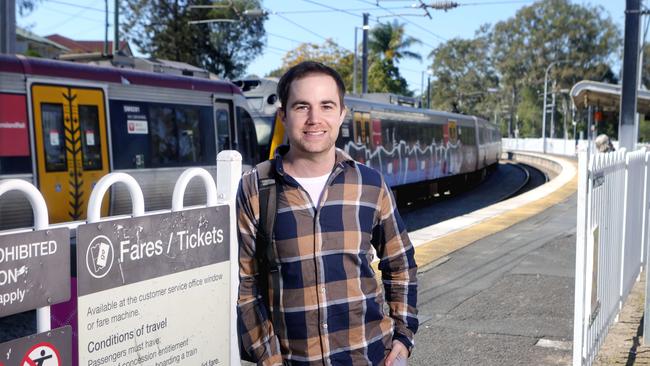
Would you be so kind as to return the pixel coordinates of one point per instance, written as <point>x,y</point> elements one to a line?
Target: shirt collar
<point>341,160</point>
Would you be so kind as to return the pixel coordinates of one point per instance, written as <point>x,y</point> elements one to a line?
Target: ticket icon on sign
<point>99,256</point>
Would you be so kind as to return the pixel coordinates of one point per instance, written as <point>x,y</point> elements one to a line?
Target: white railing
<point>609,243</point>
<point>553,146</point>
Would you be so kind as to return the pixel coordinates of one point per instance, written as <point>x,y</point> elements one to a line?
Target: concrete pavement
<point>506,299</point>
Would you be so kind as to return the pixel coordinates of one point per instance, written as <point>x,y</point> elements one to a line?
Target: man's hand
<point>399,351</point>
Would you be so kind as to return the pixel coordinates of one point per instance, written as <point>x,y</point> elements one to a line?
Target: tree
<point>388,44</point>
<point>553,30</point>
<point>26,6</point>
<point>162,30</point>
<point>328,53</point>
<point>384,77</point>
<point>463,75</point>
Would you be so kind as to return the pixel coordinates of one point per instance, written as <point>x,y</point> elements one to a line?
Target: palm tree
<point>389,42</point>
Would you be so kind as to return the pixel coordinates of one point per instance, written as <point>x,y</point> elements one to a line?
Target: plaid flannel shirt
<point>331,305</point>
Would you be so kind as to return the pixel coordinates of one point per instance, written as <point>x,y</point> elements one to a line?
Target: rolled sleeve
<point>398,269</point>
<point>255,328</point>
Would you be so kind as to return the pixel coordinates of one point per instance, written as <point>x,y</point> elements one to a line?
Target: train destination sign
<point>51,348</point>
<point>34,270</point>
<point>155,289</point>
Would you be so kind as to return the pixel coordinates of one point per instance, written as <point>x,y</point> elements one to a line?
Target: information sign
<point>34,270</point>
<point>155,289</point>
<point>51,348</point>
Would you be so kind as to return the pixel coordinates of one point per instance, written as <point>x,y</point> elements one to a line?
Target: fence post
<point>646,245</point>
<point>184,180</point>
<point>624,244</point>
<point>581,257</point>
<point>229,171</point>
<point>41,222</point>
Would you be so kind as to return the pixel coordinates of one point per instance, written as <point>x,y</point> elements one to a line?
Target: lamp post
<point>354,65</point>
<point>364,75</point>
<point>548,68</point>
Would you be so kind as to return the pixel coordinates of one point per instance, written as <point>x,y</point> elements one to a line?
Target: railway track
<point>507,180</point>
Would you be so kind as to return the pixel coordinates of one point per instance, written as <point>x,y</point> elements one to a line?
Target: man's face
<point>313,114</point>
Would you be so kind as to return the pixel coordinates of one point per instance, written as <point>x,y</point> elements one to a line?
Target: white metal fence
<point>553,146</point>
<point>612,207</point>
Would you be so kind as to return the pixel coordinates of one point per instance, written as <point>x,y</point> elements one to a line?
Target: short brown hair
<point>303,69</point>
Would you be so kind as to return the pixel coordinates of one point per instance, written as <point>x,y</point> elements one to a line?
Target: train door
<point>452,132</point>
<point>362,128</point>
<point>71,145</point>
<point>376,133</point>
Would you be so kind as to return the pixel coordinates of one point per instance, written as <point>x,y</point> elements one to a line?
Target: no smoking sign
<point>52,348</point>
<point>42,354</point>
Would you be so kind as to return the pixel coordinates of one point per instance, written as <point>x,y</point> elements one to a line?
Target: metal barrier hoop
<point>35,198</point>
<point>97,195</point>
<point>41,222</point>
<point>184,180</point>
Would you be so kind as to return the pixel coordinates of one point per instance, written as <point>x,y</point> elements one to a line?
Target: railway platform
<point>496,285</point>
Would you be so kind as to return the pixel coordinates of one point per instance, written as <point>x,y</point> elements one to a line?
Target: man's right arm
<point>256,330</point>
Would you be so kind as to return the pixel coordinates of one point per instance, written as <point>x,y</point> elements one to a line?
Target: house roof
<point>24,33</point>
<point>76,46</point>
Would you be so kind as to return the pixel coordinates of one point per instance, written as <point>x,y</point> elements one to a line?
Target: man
<point>332,214</point>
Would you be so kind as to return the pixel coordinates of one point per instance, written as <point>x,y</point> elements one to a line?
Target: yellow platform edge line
<point>440,247</point>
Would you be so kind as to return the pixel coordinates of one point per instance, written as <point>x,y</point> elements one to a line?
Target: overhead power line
<point>407,20</point>
<point>336,10</point>
<point>79,6</point>
<point>301,27</point>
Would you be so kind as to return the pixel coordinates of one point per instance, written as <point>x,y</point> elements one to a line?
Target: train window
<point>246,136</point>
<point>187,125</point>
<point>53,137</point>
<point>175,135</point>
<point>222,121</point>
<point>263,127</point>
<point>90,142</point>
<point>164,141</point>
<point>438,134</point>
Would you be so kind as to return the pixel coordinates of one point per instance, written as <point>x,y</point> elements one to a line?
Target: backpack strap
<point>264,244</point>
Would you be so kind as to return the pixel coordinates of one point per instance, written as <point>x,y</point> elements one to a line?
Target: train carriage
<point>420,152</point>
<point>65,125</point>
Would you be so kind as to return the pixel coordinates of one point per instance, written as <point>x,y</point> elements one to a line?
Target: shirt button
<point>322,289</point>
<point>324,325</point>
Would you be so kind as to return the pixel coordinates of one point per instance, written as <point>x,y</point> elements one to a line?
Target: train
<point>64,125</point>
<point>422,153</point>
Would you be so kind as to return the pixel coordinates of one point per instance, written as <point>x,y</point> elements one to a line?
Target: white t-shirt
<point>313,186</point>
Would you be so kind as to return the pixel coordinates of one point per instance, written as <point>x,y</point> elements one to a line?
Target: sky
<point>292,22</point>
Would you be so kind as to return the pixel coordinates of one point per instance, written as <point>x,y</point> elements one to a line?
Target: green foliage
<point>387,45</point>
<point>555,30</point>
<point>514,55</point>
<point>384,77</point>
<point>162,30</point>
<point>26,6</point>
<point>463,76</point>
<point>387,40</point>
<point>644,130</point>
<point>328,53</point>
<point>578,38</point>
